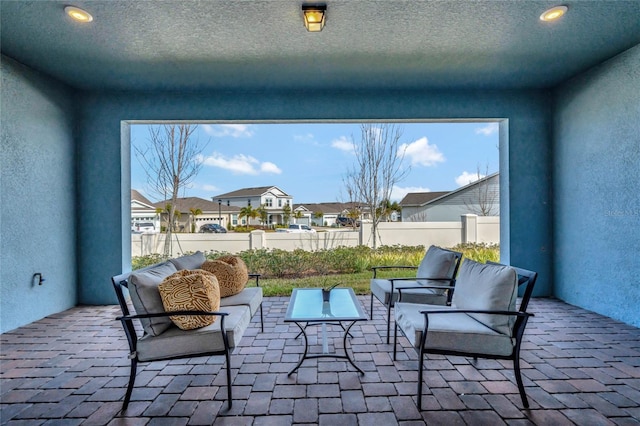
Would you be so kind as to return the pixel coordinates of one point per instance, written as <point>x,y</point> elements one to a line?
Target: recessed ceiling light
<point>78,14</point>
<point>553,14</point>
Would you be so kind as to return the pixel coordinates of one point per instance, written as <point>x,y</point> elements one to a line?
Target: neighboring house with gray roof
<point>480,197</point>
<point>272,198</point>
<point>212,212</point>
<point>143,210</point>
<point>323,214</point>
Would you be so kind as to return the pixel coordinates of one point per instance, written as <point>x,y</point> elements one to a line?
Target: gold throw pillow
<point>190,290</point>
<point>231,272</point>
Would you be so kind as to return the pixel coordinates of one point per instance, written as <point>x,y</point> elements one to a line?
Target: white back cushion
<point>487,287</point>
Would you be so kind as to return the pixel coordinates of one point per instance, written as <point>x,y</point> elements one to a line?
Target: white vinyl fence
<point>470,228</point>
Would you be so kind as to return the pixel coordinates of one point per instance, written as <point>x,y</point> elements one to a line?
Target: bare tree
<point>170,161</point>
<point>378,167</point>
<point>483,198</point>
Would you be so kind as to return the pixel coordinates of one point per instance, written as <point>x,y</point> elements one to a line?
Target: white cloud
<point>233,130</point>
<point>269,167</point>
<point>343,144</point>
<point>239,164</point>
<point>398,193</point>
<point>421,153</point>
<point>210,188</point>
<point>466,178</point>
<point>488,129</point>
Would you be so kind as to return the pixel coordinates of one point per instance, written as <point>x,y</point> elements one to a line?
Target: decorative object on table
<point>326,293</point>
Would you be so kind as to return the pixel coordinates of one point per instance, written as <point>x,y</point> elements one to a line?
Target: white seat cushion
<point>183,343</point>
<point>250,296</point>
<point>451,331</point>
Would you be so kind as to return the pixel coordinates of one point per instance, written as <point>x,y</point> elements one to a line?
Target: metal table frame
<point>307,307</point>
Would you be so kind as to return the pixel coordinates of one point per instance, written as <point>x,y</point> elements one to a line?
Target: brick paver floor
<point>72,368</point>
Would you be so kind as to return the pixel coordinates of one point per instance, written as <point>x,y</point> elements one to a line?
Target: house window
<point>249,202</point>
<point>268,202</point>
<point>279,202</point>
<point>234,219</point>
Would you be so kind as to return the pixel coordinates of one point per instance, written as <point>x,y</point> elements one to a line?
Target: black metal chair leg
<point>420,368</point>
<point>516,370</point>
<point>261,319</point>
<point>132,379</point>
<point>228,359</point>
<point>388,321</point>
<point>395,340</point>
<point>371,308</point>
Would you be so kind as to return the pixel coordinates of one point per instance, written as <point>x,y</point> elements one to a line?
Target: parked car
<point>213,228</point>
<point>143,228</point>
<point>346,221</point>
<point>296,228</point>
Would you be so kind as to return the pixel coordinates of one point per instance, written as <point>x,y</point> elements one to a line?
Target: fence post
<point>469,228</point>
<point>257,240</point>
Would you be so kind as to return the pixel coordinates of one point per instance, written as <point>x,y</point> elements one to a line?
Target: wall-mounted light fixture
<point>553,14</point>
<point>314,17</point>
<point>37,278</point>
<point>78,14</point>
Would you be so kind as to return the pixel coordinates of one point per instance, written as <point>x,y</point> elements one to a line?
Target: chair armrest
<point>424,287</point>
<point>376,268</point>
<point>476,311</point>
<point>170,314</point>
<point>257,277</point>
<point>421,278</point>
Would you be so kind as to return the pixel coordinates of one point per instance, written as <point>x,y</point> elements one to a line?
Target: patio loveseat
<point>171,335</point>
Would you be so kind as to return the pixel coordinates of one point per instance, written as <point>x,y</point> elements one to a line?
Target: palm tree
<point>248,212</point>
<point>319,215</point>
<point>286,214</point>
<point>263,214</point>
<point>297,214</point>
<point>193,213</point>
<point>386,208</point>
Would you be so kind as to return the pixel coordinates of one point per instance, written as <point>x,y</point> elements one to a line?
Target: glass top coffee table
<point>308,307</point>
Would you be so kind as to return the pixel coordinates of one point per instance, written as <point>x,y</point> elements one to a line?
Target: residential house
<point>271,198</point>
<point>481,197</point>
<point>143,210</point>
<point>210,212</point>
<point>323,214</point>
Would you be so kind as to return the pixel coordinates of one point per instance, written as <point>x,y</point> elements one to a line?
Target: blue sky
<point>308,161</point>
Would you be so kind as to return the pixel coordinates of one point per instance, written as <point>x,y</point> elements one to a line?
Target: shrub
<point>480,252</point>
<point>277,263</point>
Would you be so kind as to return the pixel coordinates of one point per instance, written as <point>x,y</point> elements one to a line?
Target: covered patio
<point>71,368</point>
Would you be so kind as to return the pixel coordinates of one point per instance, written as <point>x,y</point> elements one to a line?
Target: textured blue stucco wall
<point>103,172</point>
<point>37,206</point>
<point>597,189</point>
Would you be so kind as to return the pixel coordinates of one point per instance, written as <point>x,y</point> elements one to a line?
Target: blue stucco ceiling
<point>254,45</point>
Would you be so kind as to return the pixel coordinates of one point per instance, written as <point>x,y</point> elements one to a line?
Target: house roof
<point>179,45</point>
<point>141,199</point>
<point>324,208</point>
<point>424,198</point>
<point>250,192</point>
<point>420,198</point>
<point>185,204</point>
